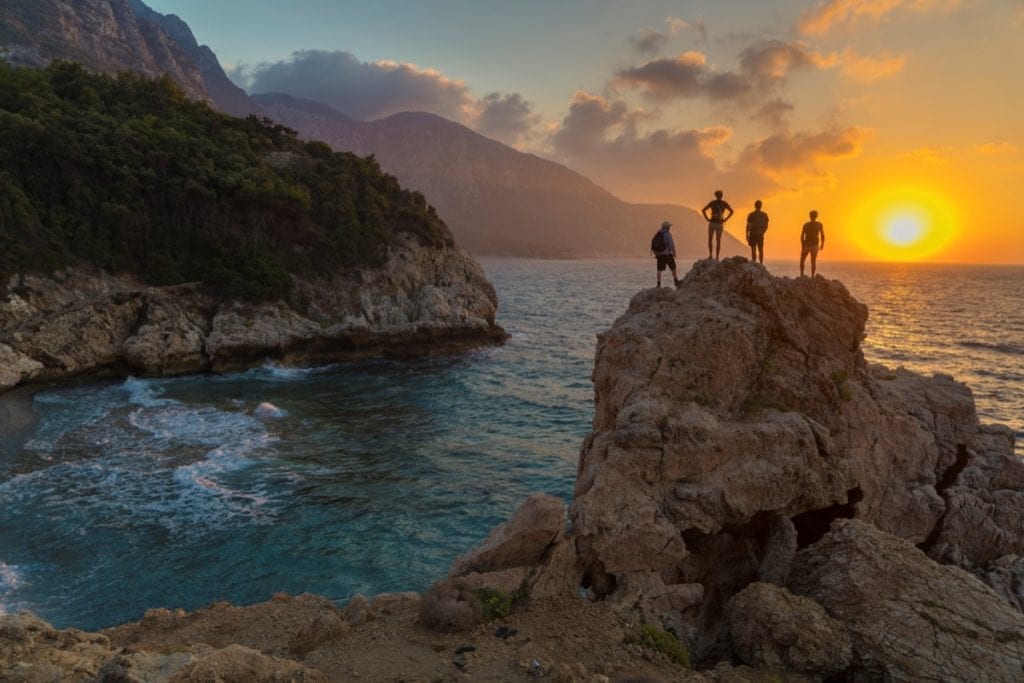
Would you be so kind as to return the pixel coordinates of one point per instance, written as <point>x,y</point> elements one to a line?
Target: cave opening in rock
<point>813,524</point>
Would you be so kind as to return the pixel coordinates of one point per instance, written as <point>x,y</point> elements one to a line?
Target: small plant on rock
<point>496,604</point>
<point>654,638</point>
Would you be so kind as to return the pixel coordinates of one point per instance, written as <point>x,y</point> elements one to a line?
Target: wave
<point>10,581</point>
<point>1012,349</point>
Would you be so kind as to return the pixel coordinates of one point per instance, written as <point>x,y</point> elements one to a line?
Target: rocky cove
<point>86,322</point>
<point>751,485</point>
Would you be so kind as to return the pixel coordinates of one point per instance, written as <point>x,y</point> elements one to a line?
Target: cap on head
<point>757,204</point>
<point>718,193</point>
<point>814,214</point>
<point>665,225</point>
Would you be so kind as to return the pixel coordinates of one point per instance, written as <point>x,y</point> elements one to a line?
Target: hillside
<point>495,199</point>
<point>110,36</point>
<point>130,175</point>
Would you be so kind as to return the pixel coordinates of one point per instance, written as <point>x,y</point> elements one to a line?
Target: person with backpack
<point>664,249</point>
<point>810,236</point>
<point>716,221</point>
<point>757,226</point>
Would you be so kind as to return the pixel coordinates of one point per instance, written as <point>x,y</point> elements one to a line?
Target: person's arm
<point>749,225</point>
<point>671,244</point>
<point>766,222</point>
<point>729,215</point>
<point>822,231</point>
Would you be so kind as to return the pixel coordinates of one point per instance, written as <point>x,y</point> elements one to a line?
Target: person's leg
<point>753,252</point>
<point>718,239</point>
<point>803,257</point>
<point>672,266</point>
<point>711,236</point>
<point>814,262</point>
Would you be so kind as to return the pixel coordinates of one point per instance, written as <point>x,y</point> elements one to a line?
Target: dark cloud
<point>647,41</point>
<point>788,151</point>
<point>667,77</point>
<point>774,112</point>
<point>506,118</point>
<point>364,90</point>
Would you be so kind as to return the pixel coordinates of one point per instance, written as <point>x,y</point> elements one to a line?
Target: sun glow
<point>904,223</point>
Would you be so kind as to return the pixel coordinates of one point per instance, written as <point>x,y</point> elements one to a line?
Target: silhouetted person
<point>716,221</point>
<point>812,239</point>
<point>664,249</point>
<point>757,226</point>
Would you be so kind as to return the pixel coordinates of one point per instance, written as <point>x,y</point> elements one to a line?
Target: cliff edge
<point>749,475</point>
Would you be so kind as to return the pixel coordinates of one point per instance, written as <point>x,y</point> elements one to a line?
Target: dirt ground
<point>567,639</point>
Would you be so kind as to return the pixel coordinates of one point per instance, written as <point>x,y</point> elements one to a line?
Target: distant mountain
<point>495,199</point>
<point>109,36</point>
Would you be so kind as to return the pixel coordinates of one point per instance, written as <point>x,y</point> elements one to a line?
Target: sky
<point>899,121</point>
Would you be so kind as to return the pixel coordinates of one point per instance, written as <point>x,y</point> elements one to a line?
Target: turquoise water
<point>134,494</point>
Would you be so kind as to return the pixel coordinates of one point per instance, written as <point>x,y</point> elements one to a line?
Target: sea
<point>373,476</point>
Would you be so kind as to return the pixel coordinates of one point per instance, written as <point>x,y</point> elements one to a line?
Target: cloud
<point>600,138</point>
<point>667,77</point>
<point>763,66</point>
<point>647,41</point>
<point>829,13</point>
<point>992,149</point>
<point>788,151</point>
<point>774,112</point>
<point>870,69</point>
<point>365,90</point>
<point>937,156</point>
<point>506,118</point>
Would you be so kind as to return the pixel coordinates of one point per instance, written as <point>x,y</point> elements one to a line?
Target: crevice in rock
<point>947,479</point>
<point>813,524</point>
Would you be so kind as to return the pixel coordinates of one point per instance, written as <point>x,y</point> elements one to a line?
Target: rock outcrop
<point>911,618</point>
<point>111,36</point>
<point>77,321</point>
<point>736,420</point>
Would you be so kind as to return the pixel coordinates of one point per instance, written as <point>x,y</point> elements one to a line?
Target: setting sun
<point>904,223</point>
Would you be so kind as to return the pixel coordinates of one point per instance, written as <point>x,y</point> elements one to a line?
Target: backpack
<point>658,243</point>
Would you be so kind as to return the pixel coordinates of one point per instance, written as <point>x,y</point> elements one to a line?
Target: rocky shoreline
<point>87,322</point>
<point>754,495</point>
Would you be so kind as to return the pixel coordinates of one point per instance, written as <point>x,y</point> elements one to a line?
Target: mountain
<point>110,36</point>
<point>495,199</point>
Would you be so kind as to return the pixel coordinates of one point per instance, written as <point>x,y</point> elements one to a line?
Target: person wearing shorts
<point>810,237</point>
<point>716,221</point>
<point>757,226</point>
<point>667,256</point>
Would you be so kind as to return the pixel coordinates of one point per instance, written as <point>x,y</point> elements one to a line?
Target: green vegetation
<point>496,604</point>
<point>654,638</point>
<point>128,175</point>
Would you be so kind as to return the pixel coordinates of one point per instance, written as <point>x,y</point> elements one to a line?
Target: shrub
<point>654,638</point>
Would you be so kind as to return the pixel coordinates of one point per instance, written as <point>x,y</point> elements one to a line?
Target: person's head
<point>757,204</point>
<point>814,214</point>
<point>665,225</point>
<point>718,194</point>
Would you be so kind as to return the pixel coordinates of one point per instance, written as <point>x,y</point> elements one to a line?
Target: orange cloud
<point>821,19</point>
<point>929,155</point>
<point>992,149</point>
<point>870,69</point>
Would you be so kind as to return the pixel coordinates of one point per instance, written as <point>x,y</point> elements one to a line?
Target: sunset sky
<point>898,120</point>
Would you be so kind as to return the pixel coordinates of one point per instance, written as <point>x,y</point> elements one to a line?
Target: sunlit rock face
<point>736,418</point>
<point>111,36</point>
<point>423,300</point>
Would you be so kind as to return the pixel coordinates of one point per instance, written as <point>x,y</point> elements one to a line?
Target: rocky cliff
<point>110,36</point>
<point>78,321</point>
<point>740,439</point>
<point>495,199</point>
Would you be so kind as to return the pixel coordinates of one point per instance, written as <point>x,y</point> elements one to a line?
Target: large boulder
<point>736,418</point>
<point>771,628</point>
<point>910,618</point>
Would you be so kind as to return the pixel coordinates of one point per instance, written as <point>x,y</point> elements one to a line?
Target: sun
<point>903,223</point>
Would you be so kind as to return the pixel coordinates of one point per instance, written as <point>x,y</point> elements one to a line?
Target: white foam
<point>10,581</point>
<point>144,392</point>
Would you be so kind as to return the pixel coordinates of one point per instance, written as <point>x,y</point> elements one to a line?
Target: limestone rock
<point>736,418</point>
<point>520,542</point>
<point>32,650</point>
<point>910,618</point>
<point>77,321</point>
<point>771,628</point>
<point>237,664</point>
<point>1006,577</point>
<point>325,626</point>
